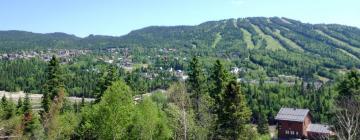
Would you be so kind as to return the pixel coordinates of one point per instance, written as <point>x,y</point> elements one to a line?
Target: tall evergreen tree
<point>19,106</point>
<point>263,126</point>
<point>106,80</point>
<point>3,101</point>
<point>196,83</point>
<point>26,105</point>
<point>54,81</point>
<point>234,113</point>
<point>54,77</point>
<point>8,107</point>
<point>27,117</point>
<point>19,103</point>
<point>218,79</point>
<point>200,99</point>
<point>46,102</point>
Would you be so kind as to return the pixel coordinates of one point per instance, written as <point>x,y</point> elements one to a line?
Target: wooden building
<point>296,124</point>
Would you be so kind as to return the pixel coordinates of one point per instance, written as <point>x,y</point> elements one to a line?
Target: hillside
<point>273,43</point>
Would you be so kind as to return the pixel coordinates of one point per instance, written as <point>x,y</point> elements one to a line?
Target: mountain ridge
<point>272,42</point>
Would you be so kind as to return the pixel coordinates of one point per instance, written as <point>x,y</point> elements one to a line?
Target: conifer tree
<point>111,75</point>
<point>19,104</point>
<point>46,102</point>
<point>263,126</point>
<point>218,79</point>
<point>54,81</point>
<point>200,100</point>
<point>54,77</point>
<point>196,83</point>
<point>234,113</point>
<point>26,105</point>
<point>27,117</point>
<point>8,107</point>
<point>3,101</point>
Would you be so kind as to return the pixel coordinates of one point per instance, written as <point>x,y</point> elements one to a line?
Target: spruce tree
<point>234,113</point>
<point>111,75</point>
<point>8,107</point>
<point>19,104</point>
<point>54,77</point>
<point>3,101</point>
<point>45,102</point>
<point>200,99</point>
<point>31,125</point>
<point>263,126</point>
<point>27,117</point>
<point>26,105</point>
<point>196,83</point>
<point>53,83</point>
<point>218,79</point>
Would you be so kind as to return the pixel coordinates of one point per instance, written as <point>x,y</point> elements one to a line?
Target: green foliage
<point>201,101</point>
<point>234,113</point>
<point>32,126</point>
<point>19,106</point>
<point>180,114</point>
<point>196,84</point>
<point>111,75</point>
<point>263,124</point>
<point>218,80</point>
<point>26,75</point>
<point>8,108</point>
<point>54,79</point>
<point>211,105</point>
<point>111,117</point>
<point>150,122</point>
<point>350,86</point>
<point>26,105</point>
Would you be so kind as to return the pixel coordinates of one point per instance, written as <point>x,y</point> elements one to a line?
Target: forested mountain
<point>176,83</point>
<point>289,46</point>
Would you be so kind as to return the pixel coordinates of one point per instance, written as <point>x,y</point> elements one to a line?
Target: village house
<point>296,124</point>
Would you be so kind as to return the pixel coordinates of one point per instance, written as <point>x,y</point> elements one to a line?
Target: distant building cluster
<point>45,55</point>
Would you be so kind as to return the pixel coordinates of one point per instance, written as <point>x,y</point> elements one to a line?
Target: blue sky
<point>118,17</point>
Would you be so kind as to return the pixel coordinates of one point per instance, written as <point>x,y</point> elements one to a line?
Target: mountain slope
<point>272,43</point>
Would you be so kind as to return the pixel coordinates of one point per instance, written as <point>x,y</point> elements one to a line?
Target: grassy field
<point>247,39</point>
<point>271,43</point>
<point>340,43</point>
<point>288,41</point>
<point>216,40</point>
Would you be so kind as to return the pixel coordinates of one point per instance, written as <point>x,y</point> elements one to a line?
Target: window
<point>292,132</point>
<point>286,132</point>
<point>297,133</point>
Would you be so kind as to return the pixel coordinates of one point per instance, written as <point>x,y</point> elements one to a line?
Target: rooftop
<point>292,114</point>
<point>319,128</point>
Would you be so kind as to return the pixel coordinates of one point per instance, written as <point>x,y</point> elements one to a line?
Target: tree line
<point>210,104</point>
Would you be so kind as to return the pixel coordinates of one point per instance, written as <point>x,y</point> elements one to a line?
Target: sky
<point>119,17</point>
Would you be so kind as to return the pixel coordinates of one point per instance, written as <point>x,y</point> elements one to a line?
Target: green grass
<point>271,43</point>
<point>247,39</point>
<point>341,43</point>
<point>264,137</point>
<point>216,40</point>
<point>288,41</point>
